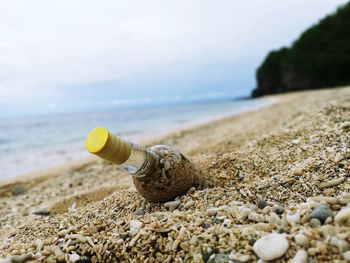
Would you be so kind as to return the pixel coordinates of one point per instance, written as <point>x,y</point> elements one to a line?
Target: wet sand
<point>281,172</point>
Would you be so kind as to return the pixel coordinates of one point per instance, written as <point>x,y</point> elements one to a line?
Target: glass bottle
<point>160,173</point>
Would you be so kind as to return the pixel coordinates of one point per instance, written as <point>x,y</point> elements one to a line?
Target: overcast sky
<point>58,56</point>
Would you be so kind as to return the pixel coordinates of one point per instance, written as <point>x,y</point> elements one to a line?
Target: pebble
<point>271,246</point>
<point>243,214</point>
<point>74,257</point>
<point>212,211</point>
<point>227,223</point>
<point>139,212</point>
<point>314,222</point>
<point>321,213</point>
<point>220,258</point>
<point>262,204</point>
<point>297,171</point>
<point>338,157</point>
<point>346,255</point>
<point>300,256</point>
<point>244,258</point>
<point>42,212</point>
<point>135,226</point>
<point>331,183</point>
<point>19,190</point>
<point>343,216</point>
<point>172,205</point>
<point>345,125</point>
<point>255,217</point>
<point>296,141</point>
<point>279,210</point>
<point>301,239</point>
<point>293,218</point>
<point>312,251</point>
<point>274,219</point>
<point>166,165</point>
<point>21,258</point>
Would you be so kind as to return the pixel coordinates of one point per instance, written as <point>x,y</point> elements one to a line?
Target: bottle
<point>160,173</point>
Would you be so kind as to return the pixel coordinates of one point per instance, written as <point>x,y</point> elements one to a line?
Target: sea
<point>29,144</point>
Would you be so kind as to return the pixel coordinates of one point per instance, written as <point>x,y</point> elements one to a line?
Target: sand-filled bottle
<point>160,173</point>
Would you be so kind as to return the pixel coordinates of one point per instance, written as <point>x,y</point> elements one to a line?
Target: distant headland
<point>320,58</point>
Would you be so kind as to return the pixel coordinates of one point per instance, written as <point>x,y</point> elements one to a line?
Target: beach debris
<point>321,213</point>
<point>160,173</point>
<point>271,246</point>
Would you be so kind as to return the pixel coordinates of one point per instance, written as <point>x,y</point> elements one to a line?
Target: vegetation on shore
<point>320,58</point>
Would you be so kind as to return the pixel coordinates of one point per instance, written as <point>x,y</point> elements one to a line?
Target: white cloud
<point>45,45</point>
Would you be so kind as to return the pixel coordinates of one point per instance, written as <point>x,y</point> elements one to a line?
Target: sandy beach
<point>282,192</point>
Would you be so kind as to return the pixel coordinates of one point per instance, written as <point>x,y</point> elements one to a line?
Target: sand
<point>281,173</point>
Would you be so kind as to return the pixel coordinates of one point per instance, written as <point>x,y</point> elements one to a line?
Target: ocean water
<point>29,144</point>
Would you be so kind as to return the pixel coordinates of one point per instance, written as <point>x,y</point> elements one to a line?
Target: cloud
<point>46,46</point>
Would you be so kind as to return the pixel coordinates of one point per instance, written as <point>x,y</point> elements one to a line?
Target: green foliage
<point>319,58</point>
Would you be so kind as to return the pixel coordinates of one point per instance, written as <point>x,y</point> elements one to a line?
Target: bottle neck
<point>133,158</point>
<point>138,160</point>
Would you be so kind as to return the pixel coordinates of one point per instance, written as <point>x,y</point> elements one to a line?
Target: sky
<point>72,56</point>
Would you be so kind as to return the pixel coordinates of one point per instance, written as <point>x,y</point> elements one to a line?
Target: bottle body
<point>169,175</point>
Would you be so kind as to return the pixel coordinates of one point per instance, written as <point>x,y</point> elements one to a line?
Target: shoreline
<point>142,139</point>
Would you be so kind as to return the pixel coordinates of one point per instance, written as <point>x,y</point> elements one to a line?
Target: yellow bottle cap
<point>108,146</point>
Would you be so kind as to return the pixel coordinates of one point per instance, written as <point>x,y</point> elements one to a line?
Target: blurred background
<point>143,68</point>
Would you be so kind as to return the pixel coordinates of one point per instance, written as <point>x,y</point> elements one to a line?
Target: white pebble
<point>256,217</point>
<point>297,171</point>
<point>300,257</point>
<point>271,246</point>
<point>343,216</point>
<point>227,222</point>
<point>172,205</point>
<point>338,157</point>
<point>243,258</point>
<point>293,218</point>
<point>296,141</point>
<point>135,226</point>
<point>274,219</point>
<point>301,239</point>
<point>74,257</point>
<point>212,211</point>
<point>340,243</point>
<point>346,255</point>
